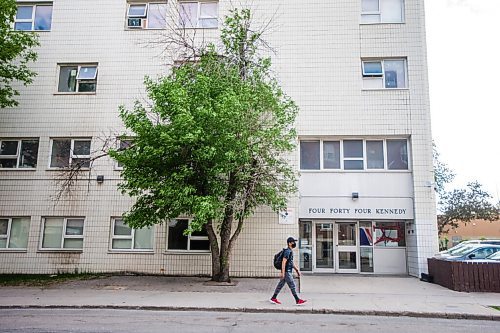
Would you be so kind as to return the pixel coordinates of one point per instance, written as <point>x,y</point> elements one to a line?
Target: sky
<point>463,45</point>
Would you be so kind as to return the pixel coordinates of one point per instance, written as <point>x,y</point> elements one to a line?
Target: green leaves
<point>213,145</point>
<point>460,205</point>
<point>15,54</point>
<point>465,205</point>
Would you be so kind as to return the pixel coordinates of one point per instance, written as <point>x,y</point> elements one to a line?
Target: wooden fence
<point>465,276</point>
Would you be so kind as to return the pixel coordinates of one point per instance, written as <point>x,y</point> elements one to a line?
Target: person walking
<point>286,275</point>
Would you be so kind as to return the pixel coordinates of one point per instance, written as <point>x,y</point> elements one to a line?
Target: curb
<point>413,314</point>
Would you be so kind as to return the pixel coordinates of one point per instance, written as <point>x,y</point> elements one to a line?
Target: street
<point>133,321</point>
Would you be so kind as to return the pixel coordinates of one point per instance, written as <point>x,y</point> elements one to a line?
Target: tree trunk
<point>225,253</point>
<point>214,248</point>
<point>220,271</point>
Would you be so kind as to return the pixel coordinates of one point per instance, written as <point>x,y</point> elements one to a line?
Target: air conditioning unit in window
<point>136,23</point>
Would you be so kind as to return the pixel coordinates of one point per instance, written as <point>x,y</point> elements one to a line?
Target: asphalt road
<point>134,321</point>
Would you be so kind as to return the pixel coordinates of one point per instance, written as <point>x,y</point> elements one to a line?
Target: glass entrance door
<point>347,249</point>
<point>324,247</point>
<point>305,245</point>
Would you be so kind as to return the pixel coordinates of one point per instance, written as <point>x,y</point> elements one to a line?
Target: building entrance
<point>329,247</point>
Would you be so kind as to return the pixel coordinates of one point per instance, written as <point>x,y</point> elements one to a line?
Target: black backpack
<point>278,260</point>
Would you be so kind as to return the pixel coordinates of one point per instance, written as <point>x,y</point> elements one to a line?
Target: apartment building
<point>356,68</point>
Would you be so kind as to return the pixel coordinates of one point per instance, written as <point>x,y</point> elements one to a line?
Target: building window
<point>309,155</point>
<point>70,153</point>
<point>14,232</point>
<point>33,17</point>
<point>197,241</point>
<point>384,74</point>
<point>397,155</point>
<point>77,78</point>
<point>122,145</point>
<point>353,155</point>
<point>18,154</point>
<point>390,234</point>
<point>199,14</point>
<point>366,246</point>
<point>382,11</point>
<point>331,154</point>
<point>125,238</point>
<point>375,154</point>
<point>147,16</point>
<point>62,233</point>
<point>379,154</point>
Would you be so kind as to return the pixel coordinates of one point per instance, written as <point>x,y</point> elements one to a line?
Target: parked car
<point>454,249</point>
<point>473,252</point>
<point>493,258</point>
<point>457,249</point>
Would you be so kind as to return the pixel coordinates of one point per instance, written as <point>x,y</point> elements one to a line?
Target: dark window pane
<point>124,144</point>
<point>22,26</point>
<point>397,155</point>
<point>309,155</point>
<point>395,74</point>
<point>67,78</point>
<point>24,13</point>
<point>87,73</point>
<point>200,245</point>
<point>43,17</point>
<point>4,226</point>
<point>8,148</point>
<point>176,238</point>
<point>137,10</point>
<point>73,243</point>
<point>331,155</point>
<point>372,69</point>
<point>8,163</point>
<point>347,260</point>
<point>87,87</point>
<point>81,147</point>
<point>74,227</point>
<point>375,154</point>
<point>121,229</point>
<point>29,154</point>
<point>202,232</point>
<point>353,148</point>
<point>121,244</point>
<point>60,153</point>
<point>353,165</point>
<point>366,259</point>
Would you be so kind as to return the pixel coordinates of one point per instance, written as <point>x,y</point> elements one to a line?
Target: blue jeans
<point>291,284</point>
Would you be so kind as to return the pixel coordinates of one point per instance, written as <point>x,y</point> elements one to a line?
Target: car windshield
<point>494,256</point>
<point>461,245</point>
<point>463,250</point>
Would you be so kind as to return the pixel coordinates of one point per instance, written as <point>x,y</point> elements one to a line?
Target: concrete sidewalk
<point>365,295</point>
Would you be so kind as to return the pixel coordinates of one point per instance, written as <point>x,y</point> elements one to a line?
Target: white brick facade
<point>319,46</point>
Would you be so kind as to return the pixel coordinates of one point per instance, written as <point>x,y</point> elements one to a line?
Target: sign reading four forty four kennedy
<point>347,211</point>
<point>369,208</point>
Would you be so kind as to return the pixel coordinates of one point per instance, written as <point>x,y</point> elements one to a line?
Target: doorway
<point>329,246</point>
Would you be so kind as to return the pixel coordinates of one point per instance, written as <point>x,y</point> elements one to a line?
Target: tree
<point>214,143</point>
<point>460,205</point>
<point>442,173</point>
<point>464,205</point>
<point>15,54</point>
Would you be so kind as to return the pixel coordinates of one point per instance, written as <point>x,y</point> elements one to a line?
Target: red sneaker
<point>274,301</point>
<point>300,302</point>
